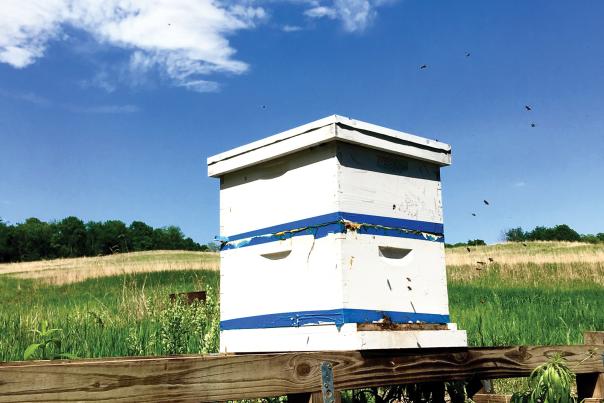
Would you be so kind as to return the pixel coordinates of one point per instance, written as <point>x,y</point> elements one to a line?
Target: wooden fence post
<point>591,386</point>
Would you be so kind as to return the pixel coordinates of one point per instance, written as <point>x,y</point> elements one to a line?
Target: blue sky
<point>109,111</point>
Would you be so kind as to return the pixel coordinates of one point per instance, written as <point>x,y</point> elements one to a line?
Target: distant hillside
<point>554,260</point>
<point>522,262</point>
<point>73,270</point>
<point>35,239</point>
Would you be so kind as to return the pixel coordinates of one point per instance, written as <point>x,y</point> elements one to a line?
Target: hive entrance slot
<point>390,252</point>
<point>276,255</point>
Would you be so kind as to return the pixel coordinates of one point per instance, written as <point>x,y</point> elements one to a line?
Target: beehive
<point>332,239</point>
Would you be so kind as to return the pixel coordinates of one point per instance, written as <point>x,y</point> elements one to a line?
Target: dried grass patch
<point>66,271</point>
<point>536,263</point>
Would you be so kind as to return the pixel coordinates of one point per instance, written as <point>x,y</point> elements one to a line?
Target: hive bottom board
<point>330,338</point>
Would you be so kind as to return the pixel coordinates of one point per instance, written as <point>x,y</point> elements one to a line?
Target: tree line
<point>560,232</point>
<point>471,242</point>
<point>71,237</point>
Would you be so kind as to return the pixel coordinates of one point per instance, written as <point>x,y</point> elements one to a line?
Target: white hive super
<point>333,240</point>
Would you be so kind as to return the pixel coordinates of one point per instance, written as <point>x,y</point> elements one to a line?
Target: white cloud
<point>520,184</point>
<point>321,12</point>
<point>291,28</point>
<point>355,15</point>
<point>28,97</point>
<point>102,79</point>
<point>38,100</point>
<point>101,109</point>
<point>25,27</point>
<point>202,86</point>
<point>184,39</point>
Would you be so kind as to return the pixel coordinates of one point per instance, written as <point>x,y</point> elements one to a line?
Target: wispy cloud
<point>27,97</point>
<point>47,103</point>
<point>355,15</point>
<point>186,41</point>
<point>102,109</point>
<point>182,38</point>
<point>103,80</point>
<point>520,184</point>
<point>321,12</point>
<point>291,28</point>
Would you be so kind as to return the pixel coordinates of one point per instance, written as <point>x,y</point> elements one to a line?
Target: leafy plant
<point>174,328</point>
<point>453,392</point>
<point>548,383</point>
<point>133,343</point>
<point>48,338</point>
<point>181,323</point>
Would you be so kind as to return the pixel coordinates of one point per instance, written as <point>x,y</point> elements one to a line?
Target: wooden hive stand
<point>591,386</point>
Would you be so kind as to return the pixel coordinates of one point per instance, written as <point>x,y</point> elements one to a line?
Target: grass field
<point>65,271</point>
<point>117,305</point>
<point>544,293</point>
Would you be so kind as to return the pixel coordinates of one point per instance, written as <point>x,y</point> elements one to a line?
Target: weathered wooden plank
<point>593,338</point>
<point>491,398</point>
<point>225,377</point>
<point>386,326</point>
<point>592,385</point>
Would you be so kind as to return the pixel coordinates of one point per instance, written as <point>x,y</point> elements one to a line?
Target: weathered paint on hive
<point>324,130</point>
<point>328,226</point>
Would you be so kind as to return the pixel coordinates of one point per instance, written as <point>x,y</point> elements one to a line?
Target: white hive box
<point>333,240</point>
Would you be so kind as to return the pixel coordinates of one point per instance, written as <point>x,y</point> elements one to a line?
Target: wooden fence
<point>223,377</point>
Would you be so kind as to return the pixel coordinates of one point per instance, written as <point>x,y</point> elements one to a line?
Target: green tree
<point>540,233</point>
<point>515,235</point>
<point>565,233</point>
<point>115,237</point>
<point>32,240</point>
<point>6,250</point>
<point>69,238</point>
<point>168,238</point>
<point>558,233</point>
<point>105,238</point>
<point>94,231</point>
<point>141,236</point>
<point>213,247</point>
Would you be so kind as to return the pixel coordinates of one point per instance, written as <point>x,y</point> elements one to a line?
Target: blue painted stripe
<point>415,225</point>
<point>326,224</point>
<point>317,232</point>
<point>331,316</point>
<point>306,222</point>
<point>323,231</point>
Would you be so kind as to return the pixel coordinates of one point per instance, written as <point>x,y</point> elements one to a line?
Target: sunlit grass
<point>100,317</point>
<point>65,271</point>
<point>544,293</point>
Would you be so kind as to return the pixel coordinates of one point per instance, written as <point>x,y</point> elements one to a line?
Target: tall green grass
<point>514,304</point>
<point>112,316</point>
<point>131,314</point>
<point>495,315</point>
